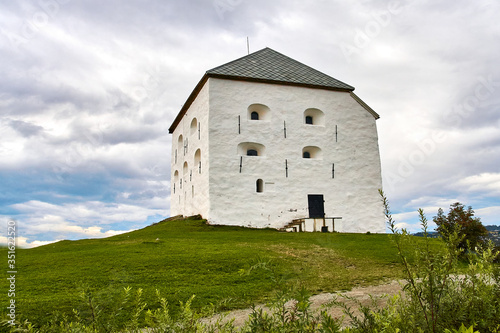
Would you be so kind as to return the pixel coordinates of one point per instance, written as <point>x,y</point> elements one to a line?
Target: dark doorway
<point>316,205</point>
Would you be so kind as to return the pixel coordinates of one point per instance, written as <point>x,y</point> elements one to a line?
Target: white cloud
<point>78,220</point>
<point>488,183</point>
<point>89,212</point>
<point>22,242</point>
<point>431,203</point>
<point>25,243</point>
<point>489,215</point>
<point>401,217</point>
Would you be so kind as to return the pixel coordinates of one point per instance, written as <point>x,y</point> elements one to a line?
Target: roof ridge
<point>240,58</point>
<point>268,65</point>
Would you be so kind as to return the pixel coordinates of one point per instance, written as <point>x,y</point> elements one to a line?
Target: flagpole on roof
<point>248,46</point>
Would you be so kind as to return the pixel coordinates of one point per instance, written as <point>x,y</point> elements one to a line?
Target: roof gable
<point>270,66</point>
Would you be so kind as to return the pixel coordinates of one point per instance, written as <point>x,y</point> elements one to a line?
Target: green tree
<point>470,229</point>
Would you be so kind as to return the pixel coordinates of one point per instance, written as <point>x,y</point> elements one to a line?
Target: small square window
<point>252,152</point>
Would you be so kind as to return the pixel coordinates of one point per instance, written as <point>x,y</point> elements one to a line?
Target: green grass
<point>185,257</point>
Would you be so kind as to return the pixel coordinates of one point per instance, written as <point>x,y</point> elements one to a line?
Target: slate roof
<point>270,66</point>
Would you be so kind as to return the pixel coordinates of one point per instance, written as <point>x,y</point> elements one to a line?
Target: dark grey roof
<point>268,65</point>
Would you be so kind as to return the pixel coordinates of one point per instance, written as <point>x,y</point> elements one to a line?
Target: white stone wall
<point>189,190</point>
<point>346,136</point>
<point>351,194</point>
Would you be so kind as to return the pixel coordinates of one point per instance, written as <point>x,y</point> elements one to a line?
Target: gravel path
<point>361,294</point>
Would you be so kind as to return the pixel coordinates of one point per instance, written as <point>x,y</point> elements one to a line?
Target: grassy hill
<point>186,256</point>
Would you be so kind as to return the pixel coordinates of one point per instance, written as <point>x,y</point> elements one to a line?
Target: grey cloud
<point>132,135</point>
<point>26,129</point>
<point>485,116</point>
<point>25,95</point>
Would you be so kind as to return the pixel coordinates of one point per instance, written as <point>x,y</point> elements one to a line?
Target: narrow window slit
<point>259,184</point>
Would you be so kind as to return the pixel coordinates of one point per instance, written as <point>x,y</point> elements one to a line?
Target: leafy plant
<point>472,232</point>
<point>290,312</point>
<point>438,294</point>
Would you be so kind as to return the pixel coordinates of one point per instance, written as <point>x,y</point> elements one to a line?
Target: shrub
<point>290,312</point>
<point>472,232</point>
<point>438,294</point>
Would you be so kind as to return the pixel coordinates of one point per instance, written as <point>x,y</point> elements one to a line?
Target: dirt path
<point>361,294</point>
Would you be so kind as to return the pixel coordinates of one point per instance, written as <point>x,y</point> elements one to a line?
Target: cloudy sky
<point>88,90</point>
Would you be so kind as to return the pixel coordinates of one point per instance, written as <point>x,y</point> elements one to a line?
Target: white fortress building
<point>266,141</point>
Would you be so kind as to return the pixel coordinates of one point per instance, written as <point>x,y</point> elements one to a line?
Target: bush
<point>470,229</point>
<point>439,295</point>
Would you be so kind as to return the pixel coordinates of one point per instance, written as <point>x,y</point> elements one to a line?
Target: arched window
<point>194,126</point>
<point>176,178</point>
<point>314,117</point>
<point>259,185</point>
<point>258,112</point>
<point>180,142</point>
<point>197,160</point>
<point>252,152</point>
<point>251,149</point>
<point>312,152</point>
